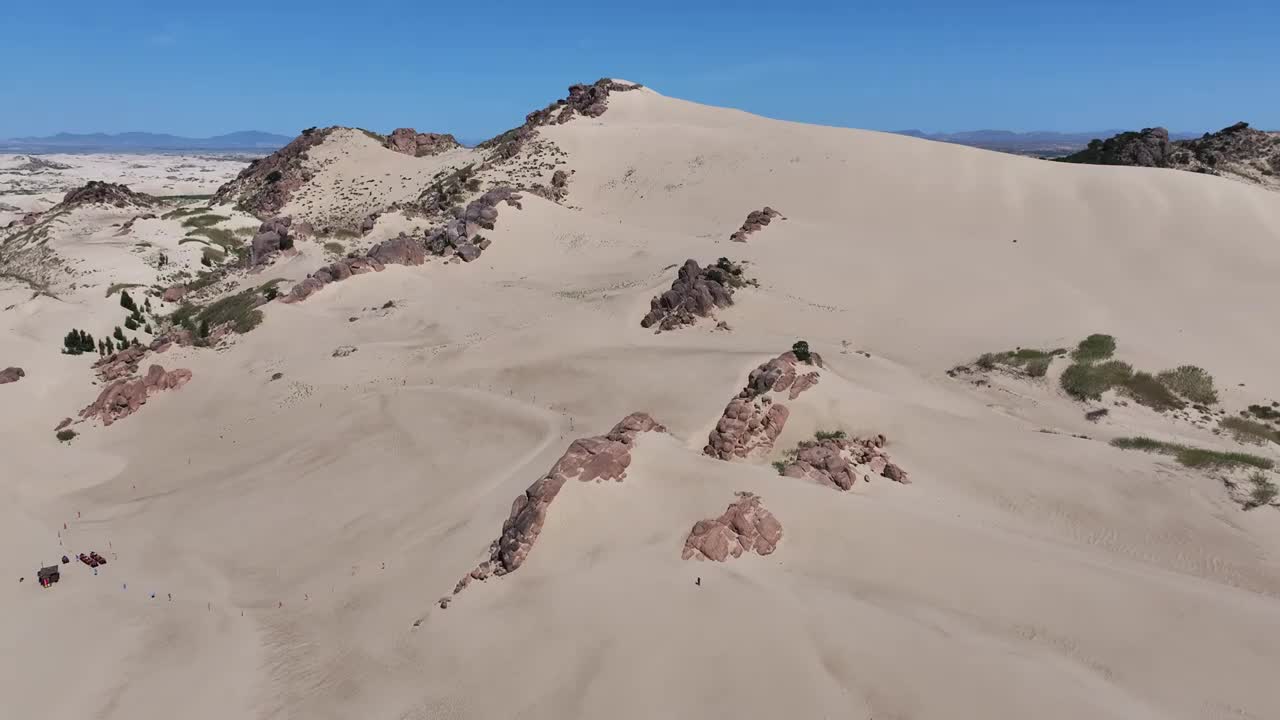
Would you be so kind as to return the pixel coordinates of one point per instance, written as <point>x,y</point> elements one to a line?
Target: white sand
<point>1023,574</point>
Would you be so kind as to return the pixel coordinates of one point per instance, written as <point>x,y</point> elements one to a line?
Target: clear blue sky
<point>475,68</point>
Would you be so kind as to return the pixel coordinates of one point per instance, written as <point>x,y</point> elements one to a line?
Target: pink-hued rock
<point>756,219</point>
<point>752,421</point>
<point>838,462</point>
<point>273,236</point>
<point>123,397</point>
<point>745,526</point>
<point>411,142</point>
<point>174,294</point>
<point>11,374</point>
<point>603,458</point>
<point>120,364</point>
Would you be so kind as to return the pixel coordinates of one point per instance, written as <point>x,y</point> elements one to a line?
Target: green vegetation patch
<point>1194,457</point>
<point>1190,382</point>
<point>1264,491</point>
<point>1094,348</point>
<point>183,212</point>
<point>1034,362</point>
<point>202,221</point>
<point>1250,431</point>
<point>336,248</point>
<point>830,435</point>
<point>1147,390</point>
<point>1087,381</point>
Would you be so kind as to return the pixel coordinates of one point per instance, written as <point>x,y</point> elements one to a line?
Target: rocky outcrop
<point>267,184</point>
<point>1238,151</point>
<point>838,462</point>
<point>746,526</point>
<point>127,227</point>
<point>459,236</point>
<point>96,192</point>
<point>401,250</point>
<point>120,364</point>
<point>603,458</point>
<point>1149,147</point>
<point>756,219</point>
<point>174,294</point>
<point>11,374</point>
<point>696,293</point>
<point>411,142</point>
<point>123,397</point>
<point>273,236</point>
<point>583,100</point>
<point>753,420</point>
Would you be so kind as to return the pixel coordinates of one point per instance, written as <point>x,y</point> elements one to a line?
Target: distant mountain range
<point>1038,142</point>
<point>246,140</point>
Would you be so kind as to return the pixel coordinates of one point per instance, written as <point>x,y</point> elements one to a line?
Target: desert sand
<point>305,527</point>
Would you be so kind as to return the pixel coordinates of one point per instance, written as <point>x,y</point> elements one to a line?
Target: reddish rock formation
<point>696,293</point>
<point>588,100</point>
<point>174,294</point>
<point>752,421</point>
<point>411,142</point>
<point>273,236</point>
<point>756,219</point>
<point>592,459</point>
<point>835,462</point>
<point>402,250</point>
<point>11,374</point>
<point>96,192</point>
<point>123,397</point>
<point>120,364</point>
<point>267,184</point>
<point>62,425</point>
<point>745,526</point>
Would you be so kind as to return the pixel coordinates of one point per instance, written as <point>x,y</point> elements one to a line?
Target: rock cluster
<point>745,526</point>
<point>273,236</point>
<point>119,364</point>
<point>752,421</point>
<point>593,459</point>
<point>174,293</point>
<point>835,462</point>
<point>588,100</point>
<point>96,192</point>
<point>458,235</point>
<point>756,219</point>
<point>401,250</point>
<point>123,397</point>
<point>557,191</point>
<point>411,142</point>
<point>1237,151</point>
<point>696,293</point>
<point>11,374</point>
<point>266,185</point>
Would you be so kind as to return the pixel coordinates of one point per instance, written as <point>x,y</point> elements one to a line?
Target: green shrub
<point>1087,381</point>
<point>830,435</point>
<point>76,342</point>
<point>334,247</point>
<point>1093,348</point>
<point>66,435</point>
<point>986,361</point>
<point>801,350</point>
<point>1264,412</point>
<point>239,309</point>
<point>1264,491</point>
<point>1190,382</point>
<point>1250,431</point>
<point>1147,390</point>
<point>780,466</point>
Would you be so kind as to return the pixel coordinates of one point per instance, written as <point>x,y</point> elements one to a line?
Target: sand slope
<point>304,524</point>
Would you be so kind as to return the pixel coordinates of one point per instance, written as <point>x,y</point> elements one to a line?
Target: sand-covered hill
<point>438,483</point>
<point>1238,152</point>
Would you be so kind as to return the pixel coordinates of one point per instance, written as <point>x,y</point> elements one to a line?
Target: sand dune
<point>303,525</point>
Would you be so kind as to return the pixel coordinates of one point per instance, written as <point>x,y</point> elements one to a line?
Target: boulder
<point>756,219</point>
<point>123,397</point>
<point>695,293</point>
<point>411,142</point>
<point>11,374</point>
<point>744,527</point>
<point>174,294</point>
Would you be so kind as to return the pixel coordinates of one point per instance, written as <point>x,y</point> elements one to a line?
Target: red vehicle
<point>87,560</point>
<point>97,558</point>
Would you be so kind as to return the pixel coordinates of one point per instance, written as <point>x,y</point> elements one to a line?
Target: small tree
<point>127,302</point>
<point>118,334</point>
<point>130,323</point>
<point>204,329</point>
<point>801,350</point>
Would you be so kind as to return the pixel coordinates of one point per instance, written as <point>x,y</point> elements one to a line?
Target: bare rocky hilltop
<point>1238,152</point>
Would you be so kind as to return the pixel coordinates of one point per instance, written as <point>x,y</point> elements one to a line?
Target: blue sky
<point>475,68</point>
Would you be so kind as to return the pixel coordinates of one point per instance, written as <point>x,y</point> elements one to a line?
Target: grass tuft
<point>1147,390</point>
<point>203,221</point>
<point>1264,491</point>
<point>1194,457</point>
<point>1250,431</point>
